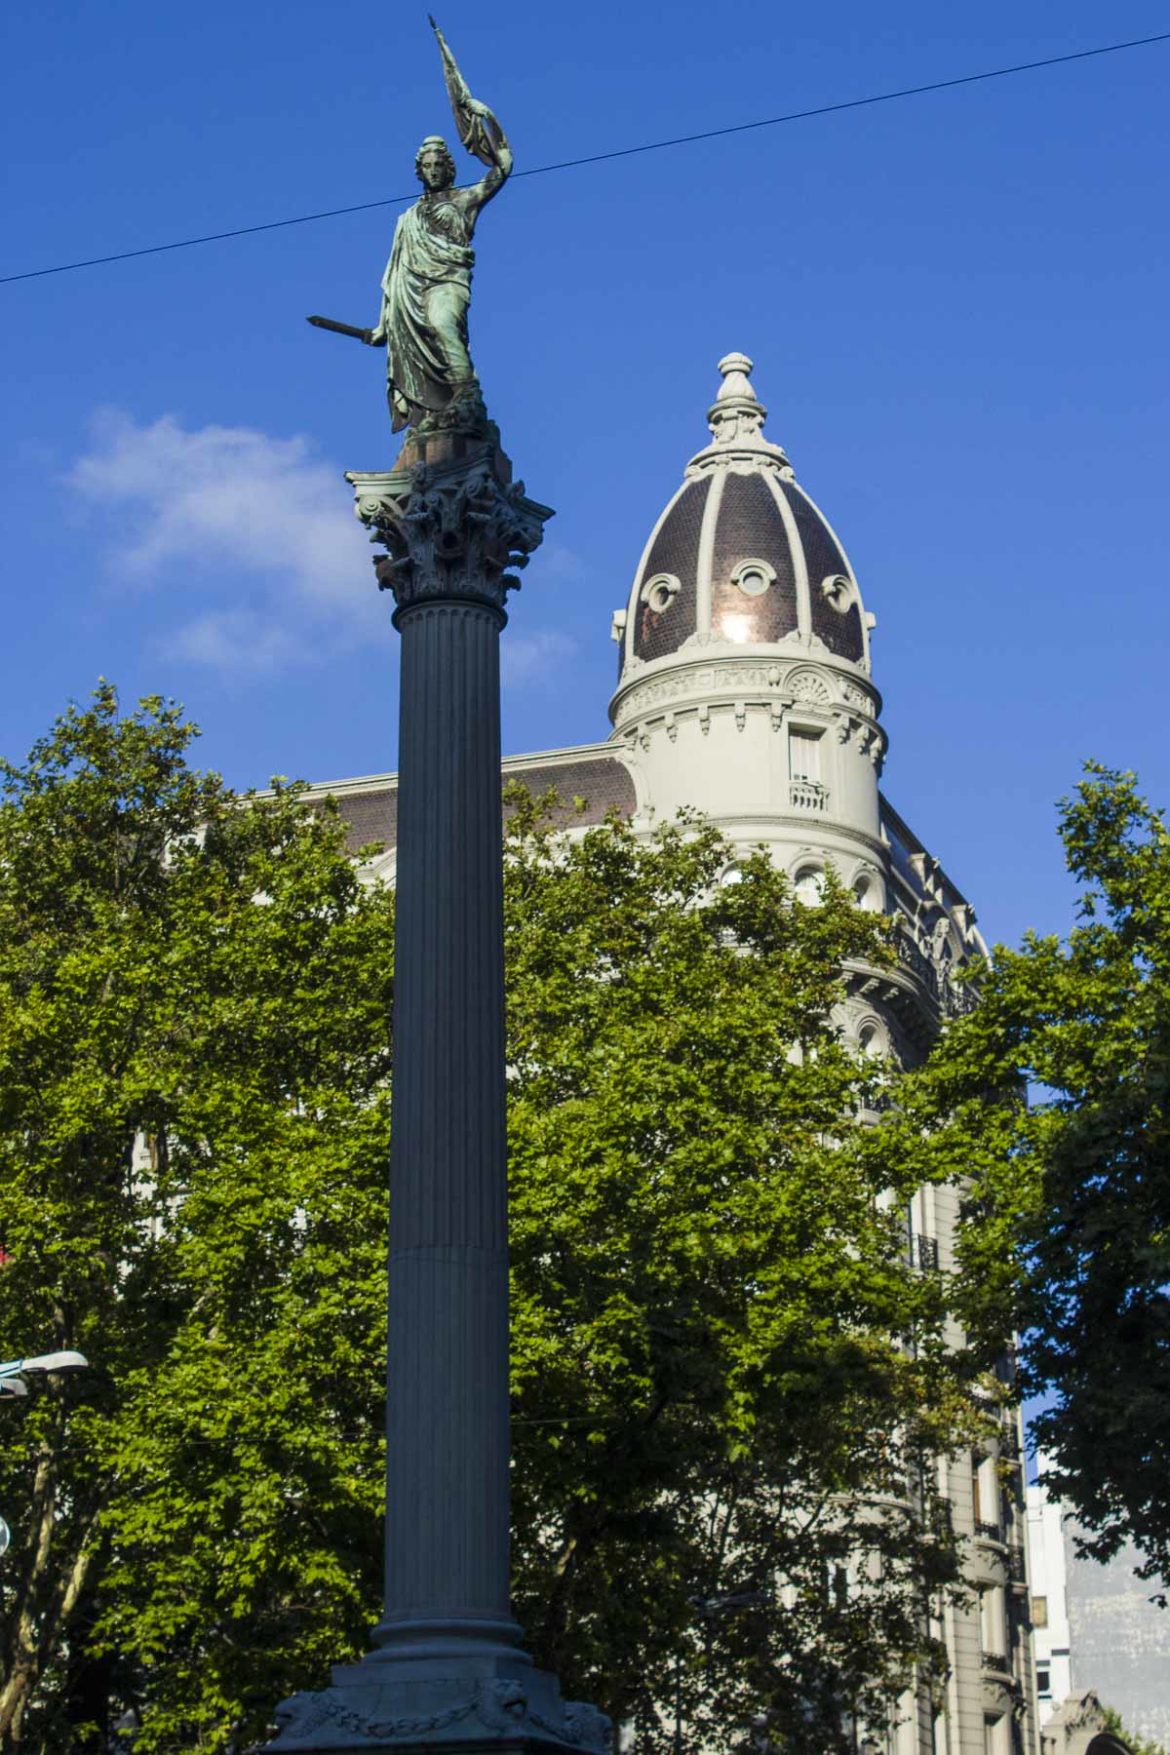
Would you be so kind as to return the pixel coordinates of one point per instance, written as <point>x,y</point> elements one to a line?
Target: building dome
<point>741,556</point>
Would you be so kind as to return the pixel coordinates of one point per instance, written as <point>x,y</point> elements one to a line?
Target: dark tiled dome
<point>741,555</point>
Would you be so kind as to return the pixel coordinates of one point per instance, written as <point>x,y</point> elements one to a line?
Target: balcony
<point>808,795</point>
<point>924,1253</point>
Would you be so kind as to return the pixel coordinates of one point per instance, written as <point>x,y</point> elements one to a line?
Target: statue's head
<point>433,165</point>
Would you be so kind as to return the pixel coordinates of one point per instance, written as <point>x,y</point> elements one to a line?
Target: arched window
<point>809,884</point>
<point>867,892</point>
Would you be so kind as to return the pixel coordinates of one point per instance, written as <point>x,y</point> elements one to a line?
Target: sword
<point>340,328</point>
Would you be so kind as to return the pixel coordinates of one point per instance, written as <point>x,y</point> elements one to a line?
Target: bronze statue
<point>426,288</point>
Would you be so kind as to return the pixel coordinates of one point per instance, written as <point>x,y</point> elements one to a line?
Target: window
<point>993,1629</point>
<point>1039,1611</point>
<point>988,1507</point>
<point>809,884</point>
<point>660,592</point>
<point>866,893</point>
<point>804,755</point>
<point>997,1735</point>
<point>753,577</point>
<point>1043,1681</point>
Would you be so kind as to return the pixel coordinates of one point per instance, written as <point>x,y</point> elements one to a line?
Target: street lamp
<point>11,1381</point>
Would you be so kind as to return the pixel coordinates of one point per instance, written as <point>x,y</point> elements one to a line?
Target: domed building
<point>745,692</point>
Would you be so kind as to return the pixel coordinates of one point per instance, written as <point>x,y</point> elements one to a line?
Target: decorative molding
<point>807,685</point>
<point>459,532</point>
<point>808,795</point>
<point>839,592</point>
<point>498,1709</point>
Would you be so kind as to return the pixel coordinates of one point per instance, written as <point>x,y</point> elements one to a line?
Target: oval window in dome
<point>660,592</point>
<point>837,590</point>
<point>753,577</point>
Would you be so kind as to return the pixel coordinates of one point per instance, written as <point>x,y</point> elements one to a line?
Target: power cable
<point>596,158</point>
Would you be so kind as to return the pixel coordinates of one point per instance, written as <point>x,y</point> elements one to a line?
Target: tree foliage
<point>726,1382</point>
<point>1068,1232</point>
<point>193,1057</point>
<point>728,1385</point>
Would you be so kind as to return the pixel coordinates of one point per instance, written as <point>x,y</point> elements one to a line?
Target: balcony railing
<point>952,1000</point>
<point>996,1660</point>
<point>990,1532</point>
<point>924,1252</point>
<point>808,795</point>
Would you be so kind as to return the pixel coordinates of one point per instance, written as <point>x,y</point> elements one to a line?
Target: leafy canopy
<point>1068,1233</point>
<point>727,1385</point>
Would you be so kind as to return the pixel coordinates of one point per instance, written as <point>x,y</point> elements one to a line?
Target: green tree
<point>1068,1232</point>
<point>727,1385</point>
<point>1139,1745</point>
<point>194,993</point>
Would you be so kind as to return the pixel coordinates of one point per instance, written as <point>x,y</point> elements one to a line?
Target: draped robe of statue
<point>426,288</point>
<point>426,291</point>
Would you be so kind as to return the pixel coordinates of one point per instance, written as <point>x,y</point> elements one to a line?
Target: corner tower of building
<point>744,687</point>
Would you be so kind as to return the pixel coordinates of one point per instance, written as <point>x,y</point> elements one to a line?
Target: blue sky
<point>956,304</point>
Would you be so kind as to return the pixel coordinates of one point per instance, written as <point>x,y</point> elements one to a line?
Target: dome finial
<point>736,417</point>
<point>735,368</point>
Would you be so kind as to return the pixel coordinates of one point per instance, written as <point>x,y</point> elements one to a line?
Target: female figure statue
<point>426,288</point>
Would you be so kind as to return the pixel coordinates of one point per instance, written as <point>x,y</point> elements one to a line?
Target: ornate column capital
<point>459,530</point>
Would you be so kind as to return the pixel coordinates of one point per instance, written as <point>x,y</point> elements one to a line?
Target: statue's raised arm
<point>478,127</point>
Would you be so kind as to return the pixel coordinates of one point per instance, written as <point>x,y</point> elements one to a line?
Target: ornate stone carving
<point>806,685</point>
<point>497,1709</point>
<point>463,531</point>
<point>839,592</point>
<point>731,678</point>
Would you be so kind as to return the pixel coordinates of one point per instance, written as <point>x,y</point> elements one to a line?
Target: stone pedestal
<point>447,1670</point>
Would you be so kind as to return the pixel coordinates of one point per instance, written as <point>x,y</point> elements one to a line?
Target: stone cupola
<point>745,626</point>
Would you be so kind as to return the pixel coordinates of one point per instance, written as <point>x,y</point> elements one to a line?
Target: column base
<point>425,1704</point>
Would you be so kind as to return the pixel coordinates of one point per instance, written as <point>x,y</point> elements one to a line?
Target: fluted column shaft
<point>447,1675</point>
<point>447,1401</point>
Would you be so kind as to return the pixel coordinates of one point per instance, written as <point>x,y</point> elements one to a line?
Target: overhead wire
<point>594,158</point>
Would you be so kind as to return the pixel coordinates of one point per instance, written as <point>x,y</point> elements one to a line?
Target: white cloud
<point>255,538</point>
<point>242,516</point>
<point>235,640</point>
<point>557,563</point>
<point>533,657</point>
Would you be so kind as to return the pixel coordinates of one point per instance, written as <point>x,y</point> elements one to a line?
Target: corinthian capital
<point>462,531</point>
